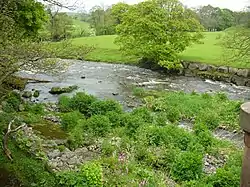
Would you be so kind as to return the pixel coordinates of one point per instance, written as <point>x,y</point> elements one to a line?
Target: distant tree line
<point>212,18</point>
<point>217,19</point>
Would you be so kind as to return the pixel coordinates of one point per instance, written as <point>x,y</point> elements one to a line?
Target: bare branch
<point>6,137</point>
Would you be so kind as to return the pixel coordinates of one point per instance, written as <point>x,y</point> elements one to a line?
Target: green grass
<point>209,51</point>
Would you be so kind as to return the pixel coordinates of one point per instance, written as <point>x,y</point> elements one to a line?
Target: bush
<point>115,118</point>
<point>139,92</point>
<point>209,118</point>
<point>82,102</point>
<point>204,136</point>
<point>70,120</point>
<point>76,137</point>
<point>64,104</point>
<point>102,107</point>
<point>226,177</point>
<point>34,108</point>
<point>90,175</point>
<point>168,135</point>
<point>131,123</point>
<point>93,174</point>
<point>98,125</point>
<point>12,102</point>
<point>187,166</point>
<point>144,114</point>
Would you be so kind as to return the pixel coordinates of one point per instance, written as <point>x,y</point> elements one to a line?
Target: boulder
<point>193,66</point>
<point>59,90</point>
<point>54,154</point>
<point>27,94</point>
<point>232,70</point>
<point>203,67</point>
<point>223,69</point>
<point>243,72</point>
<point>185,64</point>
<point>239,81</point>
<point>211,68</point>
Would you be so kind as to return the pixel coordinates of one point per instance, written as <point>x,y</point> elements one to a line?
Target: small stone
<point>36,93</point>
<point>193,66</point>
<point>223,69</point>
<point>203,67</point>
<point>54,154</point>
<point>21,108</point>
<point>243,72</point>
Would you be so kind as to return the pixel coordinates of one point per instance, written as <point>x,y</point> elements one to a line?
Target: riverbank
<point>208,51</point>
<point>126,146</point>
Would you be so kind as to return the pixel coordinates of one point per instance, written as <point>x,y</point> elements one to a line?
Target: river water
<point>117,81</point>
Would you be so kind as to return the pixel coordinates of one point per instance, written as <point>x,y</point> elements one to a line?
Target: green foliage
<point>100,107</point>
<point>76,137</point>
<point>12,102</point>
<point>143,113</point>
<point>204,136</point>
<point>98,125</point>
<point>226,178</point>
<point>64,104</point>
<point>29,171</point>
<point>90,174</point>
<point>210,111</point>
<point>34,108</point>
<point>80,101</point>
<point>102,21</point>
<point>139,92</point>
<point>187,166</point>
<point>146,31</point>
<point>70,120</point>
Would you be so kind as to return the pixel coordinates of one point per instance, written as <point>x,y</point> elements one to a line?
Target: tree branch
<point>6,137</point>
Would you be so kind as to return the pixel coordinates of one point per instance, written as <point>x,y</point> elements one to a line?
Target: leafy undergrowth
<point>212,110</point>
<point>145,147</point>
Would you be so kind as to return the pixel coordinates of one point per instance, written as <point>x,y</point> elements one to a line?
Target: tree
<point>214,18</point>
<point>102,20</point>
<point>236,41</point>
<point>158,30</point>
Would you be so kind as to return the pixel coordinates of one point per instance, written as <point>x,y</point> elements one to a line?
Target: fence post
<point>245,125</point>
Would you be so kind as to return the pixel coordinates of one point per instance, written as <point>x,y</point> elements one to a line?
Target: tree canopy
<point>157,30</point>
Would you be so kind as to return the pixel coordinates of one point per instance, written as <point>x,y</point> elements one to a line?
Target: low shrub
<point>76,137</point>
<point>144,114</point>
<point>12,102</point>
<point>100,107</point>
<point>90,175</point>
<point>98,125</point>
<point>203,135</point>
<point>187,166</point>
<point>70,120</point>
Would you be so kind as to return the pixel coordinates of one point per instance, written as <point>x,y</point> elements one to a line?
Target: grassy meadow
<point>209,51</point>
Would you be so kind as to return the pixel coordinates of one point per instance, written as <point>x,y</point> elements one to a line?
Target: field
<point>209,51</point>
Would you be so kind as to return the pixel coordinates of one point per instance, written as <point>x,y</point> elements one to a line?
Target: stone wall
<point>238,76</point>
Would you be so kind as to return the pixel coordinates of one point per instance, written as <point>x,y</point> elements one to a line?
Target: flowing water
<point>116,81</point>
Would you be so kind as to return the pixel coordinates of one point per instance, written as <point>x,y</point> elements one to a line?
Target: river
<point>116,81</point>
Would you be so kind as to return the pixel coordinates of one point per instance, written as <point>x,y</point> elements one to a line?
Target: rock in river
<point>27,94</point>
<point>59,90</point>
